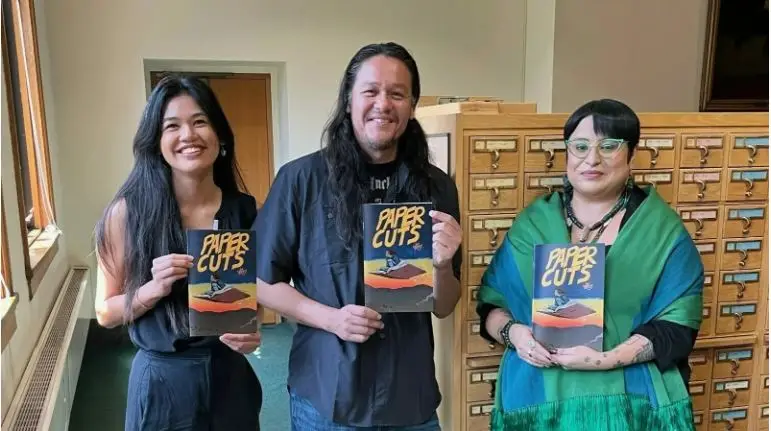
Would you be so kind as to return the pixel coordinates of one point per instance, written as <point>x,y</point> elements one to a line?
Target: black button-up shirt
<point>387,380</point>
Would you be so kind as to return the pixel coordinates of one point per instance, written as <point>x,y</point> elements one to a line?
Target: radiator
<point>43,400</point>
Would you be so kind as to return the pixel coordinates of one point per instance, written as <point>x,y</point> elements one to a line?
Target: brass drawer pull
<point>731,396</point>
<point>746,222</point>
<point>739,318</point>
<point>749,183</point>
<point>740,290</point>
<point>550,158</point>
<point>702,188</point>
<point>699,227</point>
<point>743,260</point>
<point>496,194</point>
<point>704,154</point>
<point>496,159</point>
<point>493,237</point>
<point>753,151</point>
<point>735,366</point>
<point>654,156</point>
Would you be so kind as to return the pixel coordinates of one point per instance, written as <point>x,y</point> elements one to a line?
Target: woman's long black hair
<point>153,226</point>
<point>346,160</point>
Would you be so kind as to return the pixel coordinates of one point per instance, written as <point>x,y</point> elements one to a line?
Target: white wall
<point>98,50</point>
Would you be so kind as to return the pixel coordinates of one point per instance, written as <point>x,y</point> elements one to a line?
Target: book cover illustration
<point>398,257</point>
<point>222,284</point>
<point>569,295</point>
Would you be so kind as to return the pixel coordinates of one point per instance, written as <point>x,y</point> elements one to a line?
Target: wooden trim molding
<point>8,323</point>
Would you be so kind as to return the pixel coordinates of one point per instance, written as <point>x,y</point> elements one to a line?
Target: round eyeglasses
<point>607,147</point>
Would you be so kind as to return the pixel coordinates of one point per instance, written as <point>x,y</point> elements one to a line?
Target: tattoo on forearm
<point>636,349</point>
<point>644,353</point>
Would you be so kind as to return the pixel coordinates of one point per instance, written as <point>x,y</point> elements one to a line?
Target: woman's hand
<point>527,348</point>
<point>581,358</point>
<point>242,343</point>
<point>168,269</point>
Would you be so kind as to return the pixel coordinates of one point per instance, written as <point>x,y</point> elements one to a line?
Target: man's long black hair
<point>153,226</point>
<point>346,160</point>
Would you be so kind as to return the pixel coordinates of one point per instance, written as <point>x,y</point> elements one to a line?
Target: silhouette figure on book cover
<point>398,257</point>
<point>222,288</point>
<point>568,295</point>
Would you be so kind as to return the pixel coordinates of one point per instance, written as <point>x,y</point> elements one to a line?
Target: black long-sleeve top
<point>672,343</point>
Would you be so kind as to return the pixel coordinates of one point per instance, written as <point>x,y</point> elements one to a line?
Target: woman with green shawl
<point>654,279</point>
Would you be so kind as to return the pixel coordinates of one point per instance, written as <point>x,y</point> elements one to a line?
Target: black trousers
<point>196,390</point>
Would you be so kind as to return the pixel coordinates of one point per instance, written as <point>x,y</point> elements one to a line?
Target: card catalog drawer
<point>700,362</point>
<point>545,154</point>
<point>736,317</point>
<point>541,184</point>
<point>480,384</point>
<point>493,192</point>
<point>707,321</point>
<point>739,285</point>
<point>487,231</point>
<point>478,262</point>
<point>730,393</point>
<point>478,416</point>
<point>699,423</point>
<point>749,150</point>
<point>764,388</point>
<point>702,185</point>
<point>747,185</point>
<point>730,419</point>
<point>701,222</point>
<point>476,344</point>
<point>708,252</point>
<point>702,151</point>
<point>732,362</point>
<point>709,287</point>
<point>765,352</point>
<point>699,395</point>
<point>662,181</point>
<point>744,221</point>
<point>655,152</point>
<point>493,154</point>
<point>471,303</point>
<point>742,254</point>
<point>763,415</point>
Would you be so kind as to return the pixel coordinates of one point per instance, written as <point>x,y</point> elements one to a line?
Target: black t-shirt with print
<point>380,177</point>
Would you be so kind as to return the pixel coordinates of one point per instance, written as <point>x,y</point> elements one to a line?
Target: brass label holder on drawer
<point>751,144</point>
<point>654,145</point>
<point>548,182</point>
<point>748,177</point>
<point>494,145</point>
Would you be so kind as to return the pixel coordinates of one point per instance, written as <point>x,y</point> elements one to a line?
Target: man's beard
<point>381,146</point>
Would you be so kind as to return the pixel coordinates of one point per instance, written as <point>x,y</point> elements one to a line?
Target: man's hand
<point>355,323</point>
<point>242,343</point>
<point>447,238</point>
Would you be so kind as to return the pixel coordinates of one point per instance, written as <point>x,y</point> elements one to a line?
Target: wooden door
<point>246,101</point>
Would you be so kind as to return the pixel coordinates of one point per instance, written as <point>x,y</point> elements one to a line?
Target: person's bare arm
<point>447,291</point>
<point>350,323</point>
<point>110,301</point>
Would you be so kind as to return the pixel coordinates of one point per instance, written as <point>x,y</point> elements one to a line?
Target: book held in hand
<point>398,257</point>
<point>569,295</point>
<point>222,284</point>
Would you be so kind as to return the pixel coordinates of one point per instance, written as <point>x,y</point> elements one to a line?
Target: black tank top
<point>152,330</point>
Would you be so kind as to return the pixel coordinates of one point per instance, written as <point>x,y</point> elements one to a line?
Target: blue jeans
<point>306,418</point>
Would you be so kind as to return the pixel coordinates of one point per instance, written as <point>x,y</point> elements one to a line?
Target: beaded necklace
<point>602,224</point>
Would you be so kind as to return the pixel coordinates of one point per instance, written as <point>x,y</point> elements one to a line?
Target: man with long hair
<point>351,367</point>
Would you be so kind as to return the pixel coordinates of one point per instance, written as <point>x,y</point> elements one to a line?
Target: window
<point>29,133</point>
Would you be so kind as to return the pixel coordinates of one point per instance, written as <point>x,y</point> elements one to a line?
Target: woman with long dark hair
<point>184,177</point>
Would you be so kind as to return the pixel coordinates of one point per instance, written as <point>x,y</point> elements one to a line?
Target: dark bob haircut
<point>612,119</point>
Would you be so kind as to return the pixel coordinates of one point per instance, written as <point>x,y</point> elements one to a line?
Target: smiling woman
<point>184,177</point>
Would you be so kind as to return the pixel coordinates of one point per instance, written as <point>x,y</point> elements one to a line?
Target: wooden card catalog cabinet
<point>492,154</point>
<point>712,169</point>
<point>763,419</point>
<point>749,151</point>
<point>655,152</point>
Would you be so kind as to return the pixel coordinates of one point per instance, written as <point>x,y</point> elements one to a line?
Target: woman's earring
<point>223,151</point>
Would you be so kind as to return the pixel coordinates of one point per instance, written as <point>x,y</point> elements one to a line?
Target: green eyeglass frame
<point>607,147</point>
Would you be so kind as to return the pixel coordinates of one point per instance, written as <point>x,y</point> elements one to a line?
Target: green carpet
<point>100,398</point>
